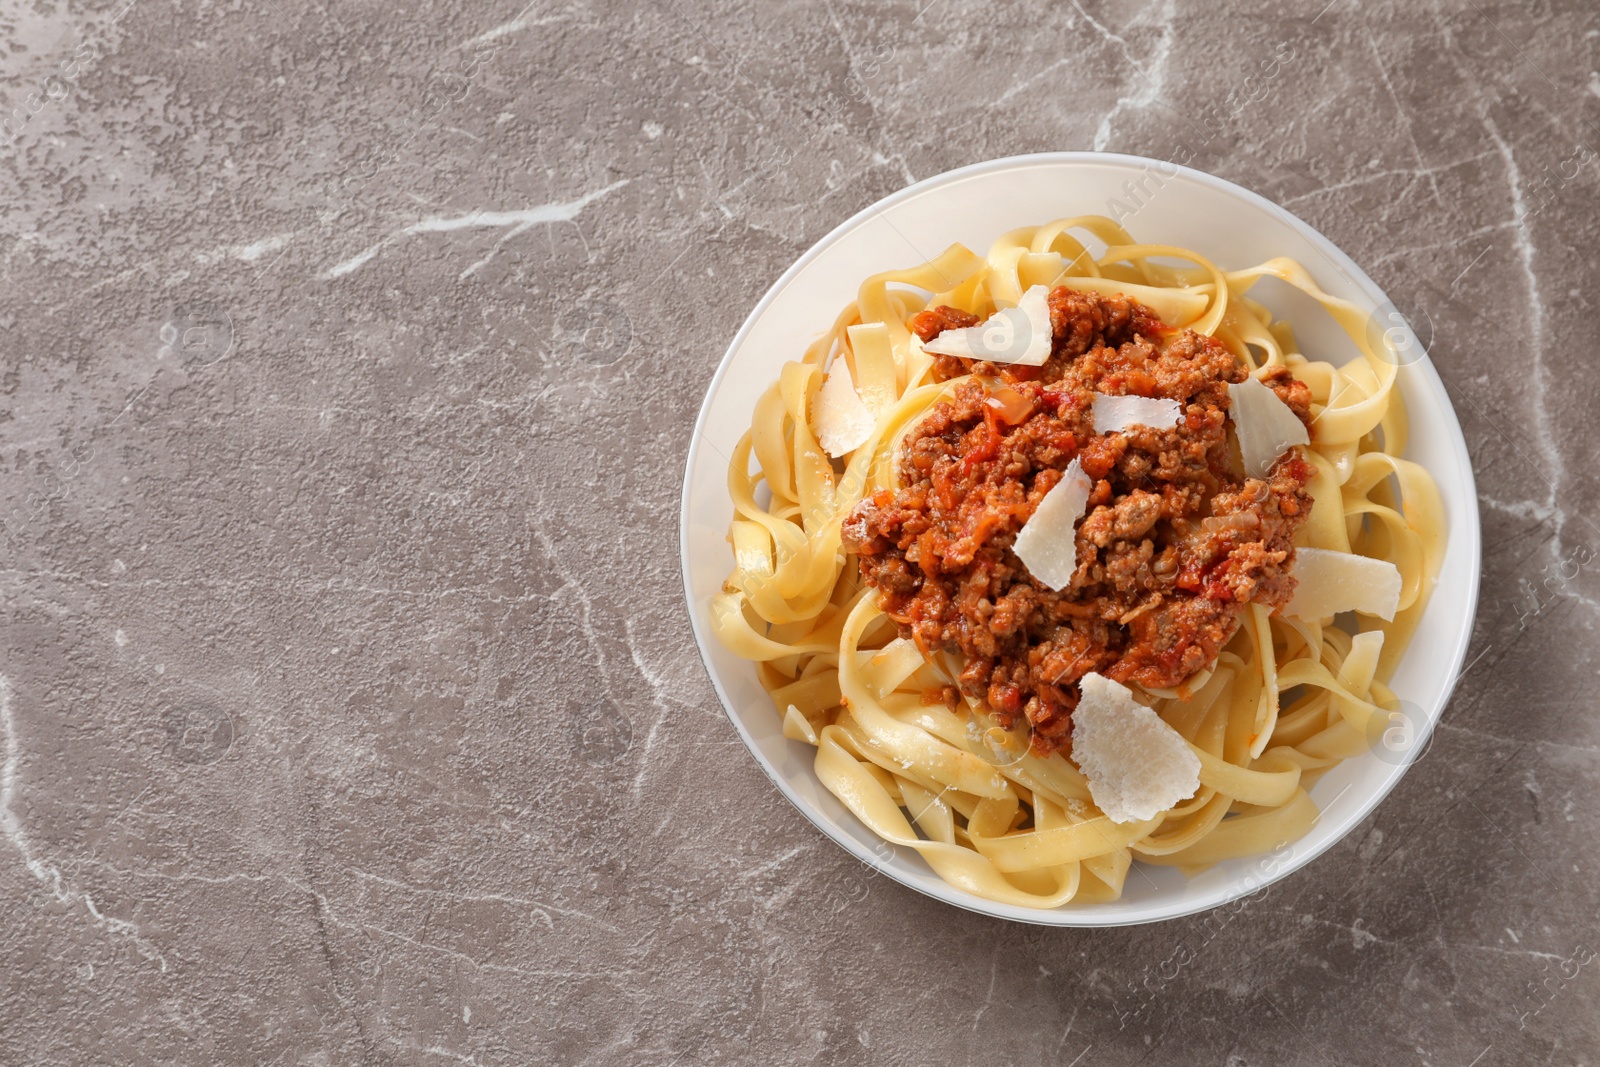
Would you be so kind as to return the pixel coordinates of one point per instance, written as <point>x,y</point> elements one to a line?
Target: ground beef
<point>1174,542</point>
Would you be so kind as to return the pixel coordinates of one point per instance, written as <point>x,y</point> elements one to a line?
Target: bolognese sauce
<point>1175,541</point>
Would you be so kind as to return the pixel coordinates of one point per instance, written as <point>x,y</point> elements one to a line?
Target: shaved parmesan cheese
<point>1115,414</point>
<point>1047,543</point>
<point>1011,335</point>
<point>1136,765</point>
<point>1330,582</point>
<point>1266,426</point>
<point>841,420</point>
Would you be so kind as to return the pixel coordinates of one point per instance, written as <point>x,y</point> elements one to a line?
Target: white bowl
<point>1174,205</point>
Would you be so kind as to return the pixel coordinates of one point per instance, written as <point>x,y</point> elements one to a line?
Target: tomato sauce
<point>1174,543</point>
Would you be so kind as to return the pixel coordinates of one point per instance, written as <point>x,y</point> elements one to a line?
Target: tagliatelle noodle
<point>988,814</point>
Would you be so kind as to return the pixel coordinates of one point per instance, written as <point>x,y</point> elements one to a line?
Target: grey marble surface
<point>334,523</point>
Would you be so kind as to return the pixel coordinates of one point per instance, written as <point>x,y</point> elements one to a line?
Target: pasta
<point>992,812</point>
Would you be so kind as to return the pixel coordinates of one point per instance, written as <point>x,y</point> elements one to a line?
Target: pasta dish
<point>1067,556</point>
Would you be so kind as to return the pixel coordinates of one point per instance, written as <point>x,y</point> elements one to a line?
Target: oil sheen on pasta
<point>923,760</point>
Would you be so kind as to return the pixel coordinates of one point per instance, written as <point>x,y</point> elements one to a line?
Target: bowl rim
<point>1069,916</point>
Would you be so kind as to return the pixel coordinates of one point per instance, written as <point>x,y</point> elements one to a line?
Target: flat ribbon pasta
<point>1286,699</point>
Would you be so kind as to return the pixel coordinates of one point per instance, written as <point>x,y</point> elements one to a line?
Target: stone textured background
<point>350,357</point>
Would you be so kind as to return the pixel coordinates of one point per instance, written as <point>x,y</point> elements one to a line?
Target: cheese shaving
<point>1047,544</point>
<point>1011,335</point>
<point>1265,425</point>
<point>843,423</point>
<point>1136,765</point>
<point>1117,414</point>
<point>1328,582</point>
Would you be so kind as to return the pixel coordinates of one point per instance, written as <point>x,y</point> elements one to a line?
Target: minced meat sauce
<point>1174,541</point>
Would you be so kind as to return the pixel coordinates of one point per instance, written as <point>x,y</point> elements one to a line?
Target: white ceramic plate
<point>974,205</point>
